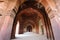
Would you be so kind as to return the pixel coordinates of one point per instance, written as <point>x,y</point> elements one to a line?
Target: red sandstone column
<point>6,28</point>
<point>37,29</point>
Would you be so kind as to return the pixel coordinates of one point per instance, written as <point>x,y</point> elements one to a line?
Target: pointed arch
<point>40,8</point>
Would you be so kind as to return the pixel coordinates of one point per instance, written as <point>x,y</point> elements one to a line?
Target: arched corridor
<point>31,14</point>
<point>29,20</point>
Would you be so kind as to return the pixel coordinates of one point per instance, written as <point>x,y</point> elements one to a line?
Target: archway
<point>41,11</point>
<point>29,28</point>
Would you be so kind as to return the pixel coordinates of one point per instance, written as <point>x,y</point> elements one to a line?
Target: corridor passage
<point>29,19</point>
<point>30,36</point>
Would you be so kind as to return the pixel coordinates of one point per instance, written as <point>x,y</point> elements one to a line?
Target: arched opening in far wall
<point>29,28</point>
<point>30,10</point>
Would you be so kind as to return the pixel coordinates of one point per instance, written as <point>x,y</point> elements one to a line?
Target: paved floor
<point>30,36</point>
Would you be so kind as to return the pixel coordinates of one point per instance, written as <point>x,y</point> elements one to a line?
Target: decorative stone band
<point>9,13</point>
<point>13,13</point>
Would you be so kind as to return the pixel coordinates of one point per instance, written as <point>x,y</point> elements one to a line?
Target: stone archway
<point>29,28</point>
<point>39,8</point>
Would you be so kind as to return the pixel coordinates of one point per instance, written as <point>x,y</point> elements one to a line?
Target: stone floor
<point>30,36</point>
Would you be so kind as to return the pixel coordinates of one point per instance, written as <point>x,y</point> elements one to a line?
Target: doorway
<point>29,28</point>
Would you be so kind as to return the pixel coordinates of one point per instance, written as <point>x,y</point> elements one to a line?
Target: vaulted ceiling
<point>7,5</point>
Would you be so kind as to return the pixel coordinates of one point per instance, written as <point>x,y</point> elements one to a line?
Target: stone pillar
<point>5,31</point>
<point>55,24</point>
<point>21,28</point>
<point>37,28</point>
<point>56,27</point>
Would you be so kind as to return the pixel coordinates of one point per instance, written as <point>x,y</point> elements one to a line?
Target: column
<point>5,31</point>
